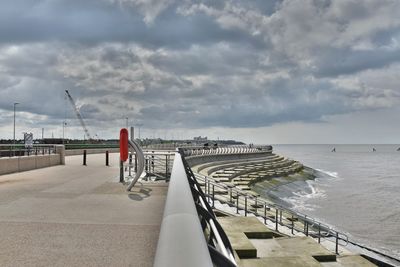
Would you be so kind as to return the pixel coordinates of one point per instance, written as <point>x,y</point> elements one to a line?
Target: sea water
<point>357,191</point>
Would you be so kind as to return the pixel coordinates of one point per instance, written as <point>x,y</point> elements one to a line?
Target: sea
<point>356,191</point>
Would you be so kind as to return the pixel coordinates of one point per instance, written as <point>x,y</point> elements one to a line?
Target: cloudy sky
<point>284,71</point>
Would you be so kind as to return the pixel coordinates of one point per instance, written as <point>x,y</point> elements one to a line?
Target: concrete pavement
<point>76,215</point>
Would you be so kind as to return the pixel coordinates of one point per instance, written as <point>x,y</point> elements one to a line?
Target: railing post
<point>265,213</point>
<point>245,205</point>
<point>292,225</point>
<point>107,160</point>
<point>337,243</point>
<point>256,206</point>
<point>237,203</point>
<point>306,224</point>
<point>152,161</point>
<point>130,164</point>
<point>213,196</point>
<point>84,157</point>
<point>136,163</point>
<point>319,233</point>
<point>205,186</point>
<point>208,189</point>
<point>276,219</point>
<point>230,195</point>
<point>166,168</point>
<point>280,216</point>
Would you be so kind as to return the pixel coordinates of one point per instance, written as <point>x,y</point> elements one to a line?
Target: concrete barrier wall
<point>26,163</point>
<point>74,152</point>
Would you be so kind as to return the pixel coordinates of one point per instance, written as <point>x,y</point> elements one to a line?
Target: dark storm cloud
<point>199,63</point>
<point>333,62</point>
<point>93,21</point>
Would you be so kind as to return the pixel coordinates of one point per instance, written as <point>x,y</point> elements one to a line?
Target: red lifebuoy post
<point>123,144</point>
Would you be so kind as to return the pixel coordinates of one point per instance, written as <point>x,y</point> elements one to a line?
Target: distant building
<point>200,139</point>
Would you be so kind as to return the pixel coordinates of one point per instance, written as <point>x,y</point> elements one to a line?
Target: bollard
<point>121,171</point>
<point>84,157</point>
<point>107,161</point>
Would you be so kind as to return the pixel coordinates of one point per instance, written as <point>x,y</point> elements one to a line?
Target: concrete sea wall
<point>26,163</point>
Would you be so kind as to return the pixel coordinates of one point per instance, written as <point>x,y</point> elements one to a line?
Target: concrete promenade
<point>76,215</point>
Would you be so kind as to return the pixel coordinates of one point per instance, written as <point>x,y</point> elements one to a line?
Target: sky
<point>264,72</point>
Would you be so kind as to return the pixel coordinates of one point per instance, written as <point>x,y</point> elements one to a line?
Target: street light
<point>64,125</point>
<point>15,104</point>
<point>139,125</point>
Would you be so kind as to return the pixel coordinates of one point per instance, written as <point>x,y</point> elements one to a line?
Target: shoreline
<point>258,186</point>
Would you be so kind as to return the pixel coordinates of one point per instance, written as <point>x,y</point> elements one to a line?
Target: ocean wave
<point>329,173</point>
<point>298,199</point>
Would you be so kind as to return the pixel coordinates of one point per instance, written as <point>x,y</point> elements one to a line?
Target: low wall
<point>26,163</point>
<point>74,152</point>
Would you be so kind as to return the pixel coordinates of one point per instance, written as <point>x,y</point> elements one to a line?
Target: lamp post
<point>139,125</point>
<point>64,125</point>
<point>15,104</point>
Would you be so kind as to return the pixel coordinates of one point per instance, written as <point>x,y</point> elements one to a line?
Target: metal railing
<point>156,163</point>
<point>188,213</point>
<point>237,149</point>
<point>279,216</point>
<point>21,150</point>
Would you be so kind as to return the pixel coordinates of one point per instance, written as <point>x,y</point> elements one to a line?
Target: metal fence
<point>21,150</point>
<point>156,163</point>
<point>237,149</point>
<point>278,215</point>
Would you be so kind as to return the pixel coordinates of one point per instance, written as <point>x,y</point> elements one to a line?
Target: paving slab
<point>280,262</point>
<point>77,215</point>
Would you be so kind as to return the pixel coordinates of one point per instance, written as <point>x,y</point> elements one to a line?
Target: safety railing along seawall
<point>190,234</point>
<point>201,155</point>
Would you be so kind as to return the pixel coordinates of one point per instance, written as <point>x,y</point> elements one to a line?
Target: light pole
<point>64,125</point>
<point>15,104</point>
<point>140,125</point>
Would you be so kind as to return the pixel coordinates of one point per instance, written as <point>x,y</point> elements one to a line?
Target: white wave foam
<point>299,199</point>
<point>332,174</point>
